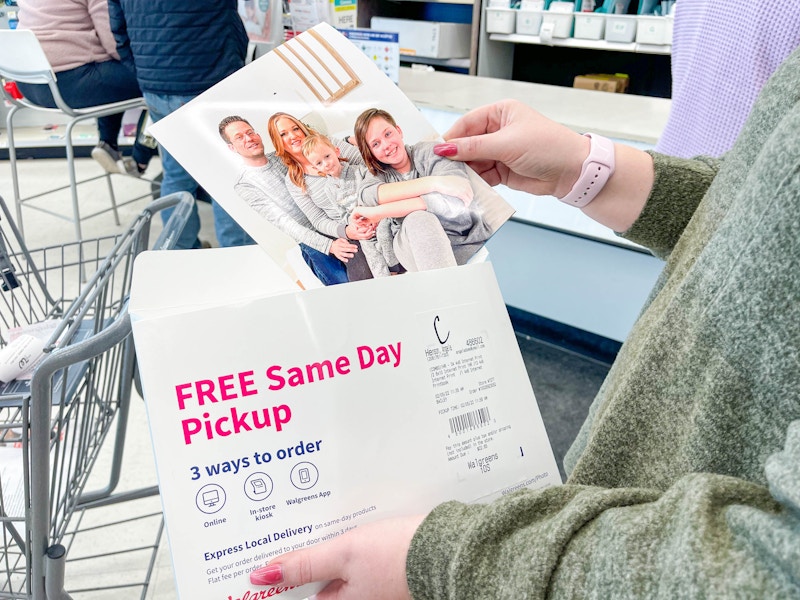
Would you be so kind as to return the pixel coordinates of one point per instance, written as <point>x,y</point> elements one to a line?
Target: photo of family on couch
<point>332,172</point>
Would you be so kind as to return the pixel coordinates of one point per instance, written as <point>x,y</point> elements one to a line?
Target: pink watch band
<point>596,170</point>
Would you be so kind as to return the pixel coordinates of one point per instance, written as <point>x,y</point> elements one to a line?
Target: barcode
<point>469,421</point>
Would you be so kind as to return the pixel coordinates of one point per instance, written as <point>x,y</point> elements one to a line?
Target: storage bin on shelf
<point>501,20</point>
<point>620,28</point>
<point>556,24</point>
<point>589,26</point>
<point>652,29</point>
<point>529,22</point>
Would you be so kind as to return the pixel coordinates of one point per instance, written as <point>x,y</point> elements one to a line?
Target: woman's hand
<point>343,249</point>
<point>359,229</point>
<point>510,143</point>
<point>366,562</point>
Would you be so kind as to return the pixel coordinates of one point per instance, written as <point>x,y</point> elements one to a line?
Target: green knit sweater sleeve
<point>678,188</point>
<point>706,536</point>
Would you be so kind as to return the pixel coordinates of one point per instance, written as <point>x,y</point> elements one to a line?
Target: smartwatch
<point>596,170</point>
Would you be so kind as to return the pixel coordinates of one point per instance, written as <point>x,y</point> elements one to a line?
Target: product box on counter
<point>617,83</point>
<point>428,39</point>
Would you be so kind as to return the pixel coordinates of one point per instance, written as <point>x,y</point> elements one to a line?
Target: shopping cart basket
<point>53,425</point>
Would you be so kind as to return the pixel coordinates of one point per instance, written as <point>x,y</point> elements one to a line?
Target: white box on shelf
<point>561,23</point>
<point>529,21</point>
<point>651,29</point>
<point>589,26</point>
<point>428,39</point>
<point>620,28</point>
<point>501,20</point>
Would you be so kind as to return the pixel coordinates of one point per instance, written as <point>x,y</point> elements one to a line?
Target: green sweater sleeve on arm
<point>507,549</point>
<point>679,186</point>
<point>706,536</point>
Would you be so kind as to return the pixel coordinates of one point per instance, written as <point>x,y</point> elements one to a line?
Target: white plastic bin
<point>501,20</point>
<point>620,28</point>
<point>558,24</point>
<point>589,26</point>
<point>653,30</point>
<point>529,22</point>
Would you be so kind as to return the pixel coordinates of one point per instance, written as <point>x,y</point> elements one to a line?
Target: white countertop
<point>621,116</point>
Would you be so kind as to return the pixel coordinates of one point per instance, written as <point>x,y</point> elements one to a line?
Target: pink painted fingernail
<point>445,149</point>
<point>269,575</point>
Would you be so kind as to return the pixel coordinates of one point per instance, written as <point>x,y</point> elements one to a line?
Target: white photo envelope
<point>282,418</point>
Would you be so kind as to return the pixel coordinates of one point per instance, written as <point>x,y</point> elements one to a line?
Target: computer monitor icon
<point>211,498</point>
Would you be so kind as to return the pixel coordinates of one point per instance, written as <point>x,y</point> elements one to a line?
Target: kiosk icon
<point>258,487</point>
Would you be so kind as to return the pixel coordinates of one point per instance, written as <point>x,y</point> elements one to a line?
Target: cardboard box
<point>428,39</point>
<point>617,83</point>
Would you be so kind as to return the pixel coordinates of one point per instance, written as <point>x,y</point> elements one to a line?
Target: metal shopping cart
<point>53,425</point>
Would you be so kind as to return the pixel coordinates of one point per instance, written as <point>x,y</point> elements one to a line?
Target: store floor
<point>564,383</point>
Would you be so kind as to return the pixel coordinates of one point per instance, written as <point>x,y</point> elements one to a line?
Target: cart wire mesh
<point>53,425</point>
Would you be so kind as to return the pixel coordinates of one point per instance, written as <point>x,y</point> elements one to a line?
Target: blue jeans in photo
<point>176,179</point>
<point>328,269</point>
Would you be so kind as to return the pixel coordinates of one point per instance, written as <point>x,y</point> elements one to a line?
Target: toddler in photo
<point>335,193</point>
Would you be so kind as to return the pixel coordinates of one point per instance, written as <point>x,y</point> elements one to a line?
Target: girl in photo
<point>432,228</point>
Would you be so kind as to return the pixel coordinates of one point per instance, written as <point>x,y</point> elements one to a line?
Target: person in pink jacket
<point>77,40</point>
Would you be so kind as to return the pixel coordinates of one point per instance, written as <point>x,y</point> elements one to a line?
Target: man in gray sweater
<point>684,481</point>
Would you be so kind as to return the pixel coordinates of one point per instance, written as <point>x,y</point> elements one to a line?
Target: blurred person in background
<point>179,50</point>
<point>77,40</point>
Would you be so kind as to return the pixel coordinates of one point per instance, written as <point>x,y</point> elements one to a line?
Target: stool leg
<point>73,184</point>
<point>113,198</point>
<point>12,159</point>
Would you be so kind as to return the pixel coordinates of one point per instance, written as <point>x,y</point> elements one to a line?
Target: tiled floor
<point>564,384</point>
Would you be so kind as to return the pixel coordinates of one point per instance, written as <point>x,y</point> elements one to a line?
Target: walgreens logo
<point>261,594</point>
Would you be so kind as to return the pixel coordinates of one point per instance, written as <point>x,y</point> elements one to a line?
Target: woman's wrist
<point>621,201</point>
<point>596,169</point>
